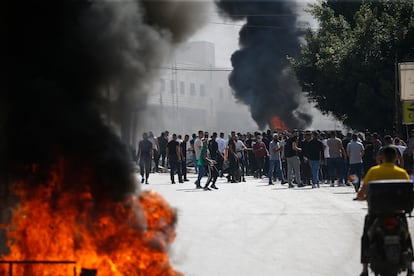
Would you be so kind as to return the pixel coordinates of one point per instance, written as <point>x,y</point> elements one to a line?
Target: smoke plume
<point>261,77</point>
<point>74,67</point>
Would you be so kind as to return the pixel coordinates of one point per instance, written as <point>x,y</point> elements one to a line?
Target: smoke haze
<point>73,66</point>
<point>261,77</point>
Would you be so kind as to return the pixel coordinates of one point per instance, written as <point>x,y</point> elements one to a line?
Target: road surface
<point>251,228</point>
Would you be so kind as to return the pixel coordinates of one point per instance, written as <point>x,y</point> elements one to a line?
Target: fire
<point>53,222</point>
<point>278,123</point>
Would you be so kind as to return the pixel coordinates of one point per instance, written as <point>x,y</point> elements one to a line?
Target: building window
<point>172,86</point>
<point>202,90</point>
<point>192,89</point>
<point>182,87</point>
<point>162,85</point>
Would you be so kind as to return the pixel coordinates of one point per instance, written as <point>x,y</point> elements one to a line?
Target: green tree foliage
<point>347,66</point>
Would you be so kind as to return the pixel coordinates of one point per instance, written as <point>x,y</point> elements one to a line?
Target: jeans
<point>195,162</point>
<point>201,173</point>
<point>174,167</point>
<point>357,170</point>
<point>315,166</point>
<point>260,165</point>
<point>275,164</point>
<point>293,163</point>
<point>336,163</point>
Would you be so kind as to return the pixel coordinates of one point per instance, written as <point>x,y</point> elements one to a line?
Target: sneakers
<point>186,180</point>
<point>284,182</point>
<point>290,185</point>
<point>214,186</point>
<point>206,189</point>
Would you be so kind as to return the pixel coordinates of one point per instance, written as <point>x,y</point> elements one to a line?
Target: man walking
<point>174,158</point>
<point>145,156</point>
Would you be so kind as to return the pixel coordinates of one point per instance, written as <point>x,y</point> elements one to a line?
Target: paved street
<point>253,229</point>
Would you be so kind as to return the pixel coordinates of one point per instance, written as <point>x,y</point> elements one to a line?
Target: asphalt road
<point>251,228</point>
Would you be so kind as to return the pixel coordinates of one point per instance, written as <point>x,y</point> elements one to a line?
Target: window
<point>202,90</point>
<point>172,86</point>
<point>162,85</point>
<point>192,89</point>
<point>182,87</point>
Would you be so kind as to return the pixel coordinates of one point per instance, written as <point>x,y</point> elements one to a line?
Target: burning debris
<point>66,184</point>
<point>261,77</point>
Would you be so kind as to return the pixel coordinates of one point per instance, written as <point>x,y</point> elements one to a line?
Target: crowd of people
<point>296,158</point>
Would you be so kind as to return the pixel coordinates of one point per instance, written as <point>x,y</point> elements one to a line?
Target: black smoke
<point>261,77</point>
<point>73,69</point>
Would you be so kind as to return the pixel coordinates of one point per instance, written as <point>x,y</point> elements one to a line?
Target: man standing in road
<point>292,158</point>
<point>275,160</point>
<point>174,158</point>
<point>145,156</point>
<point>336,159</point>
<point>314,156</point>
<point>355,151</point>
<point>183,153</point>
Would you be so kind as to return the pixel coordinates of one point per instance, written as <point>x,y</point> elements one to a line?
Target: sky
<point>224,33</point>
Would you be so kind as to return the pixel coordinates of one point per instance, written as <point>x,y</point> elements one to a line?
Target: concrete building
<point>193,94</point>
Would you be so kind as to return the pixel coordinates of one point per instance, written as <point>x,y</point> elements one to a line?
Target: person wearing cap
<point>275,160</point>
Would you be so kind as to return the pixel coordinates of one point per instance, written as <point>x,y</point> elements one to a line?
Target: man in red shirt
<point>260,152</point>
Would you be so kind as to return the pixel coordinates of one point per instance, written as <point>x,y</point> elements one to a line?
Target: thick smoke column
<point>70,61</point>
<point>261,77</point>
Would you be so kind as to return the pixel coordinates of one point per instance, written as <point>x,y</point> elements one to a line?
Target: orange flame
<point>278,124</point>
<point>120,238</point>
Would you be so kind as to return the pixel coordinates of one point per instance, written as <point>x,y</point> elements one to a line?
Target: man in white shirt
<point>221,143</point>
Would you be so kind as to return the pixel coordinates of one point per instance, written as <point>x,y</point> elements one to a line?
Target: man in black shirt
<point>314,156</point>
<point>183,152</point>
<point>174,158</point>
<point>162,142</point>
<point>145,155</point>
<point>292,151</point>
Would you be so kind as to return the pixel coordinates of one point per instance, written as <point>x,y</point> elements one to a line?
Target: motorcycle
<point>387,240</point>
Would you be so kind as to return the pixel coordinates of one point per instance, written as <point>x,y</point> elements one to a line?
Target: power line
<point>198,69</point>
<point>257,26</point>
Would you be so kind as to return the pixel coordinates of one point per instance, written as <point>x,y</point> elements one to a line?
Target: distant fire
<point>277,123</point>
<point>52,222</point>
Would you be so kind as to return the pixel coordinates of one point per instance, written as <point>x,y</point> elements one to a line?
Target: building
<point>192,94</point>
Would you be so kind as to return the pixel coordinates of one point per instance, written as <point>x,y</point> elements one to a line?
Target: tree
<point>347,66</point>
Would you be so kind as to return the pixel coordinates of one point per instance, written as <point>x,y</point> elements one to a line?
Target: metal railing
<point>15,262</point>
